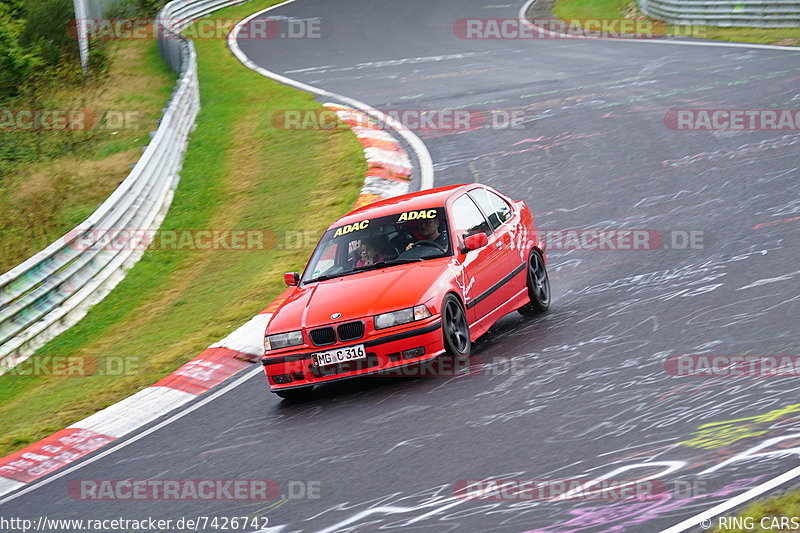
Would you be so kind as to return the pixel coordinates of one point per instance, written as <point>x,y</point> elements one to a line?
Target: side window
<point>496,209</point>
<point>481,197</point>
<point>467,218</point>
<point>501,207</point>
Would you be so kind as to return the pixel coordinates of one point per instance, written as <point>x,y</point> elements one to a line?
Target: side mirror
<point>475,241</point>
<point>292,279</point>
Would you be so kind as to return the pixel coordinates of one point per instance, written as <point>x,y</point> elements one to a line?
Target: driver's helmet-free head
<point>419,228</point>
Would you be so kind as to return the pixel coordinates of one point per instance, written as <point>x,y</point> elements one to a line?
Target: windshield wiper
<point>405,260</point>
<point>365,268</point>
<point>387,263</point>
<point>326,277</point>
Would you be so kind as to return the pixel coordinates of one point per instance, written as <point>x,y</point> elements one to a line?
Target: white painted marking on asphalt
<point>669,467</point>
<point>7,485</point>
<point>116,447</point>
<point>791,474</point>
<point>392,62</point>
<point>449,503</point>
<point>423,155</point>
<point>119,419</point>
<point>764,487</point>
<point>135,411</point>
<point>765,281</point>
<point>735,501</point>
<point>248,338</point>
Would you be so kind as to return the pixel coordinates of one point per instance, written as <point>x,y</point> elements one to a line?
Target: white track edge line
<point>423,155</point>
<point>791,474</point>
<point>113,446</point>
<point>735,501</point>
<point>426,182</point>
<point>523,16</point>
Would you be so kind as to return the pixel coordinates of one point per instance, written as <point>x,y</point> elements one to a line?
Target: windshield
<point>369,244</point>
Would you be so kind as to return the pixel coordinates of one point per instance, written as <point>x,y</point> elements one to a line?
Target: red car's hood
<point>361,295</point>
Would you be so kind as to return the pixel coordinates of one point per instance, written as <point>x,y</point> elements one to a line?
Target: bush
<point>47,28</point>
<point>16,64</point>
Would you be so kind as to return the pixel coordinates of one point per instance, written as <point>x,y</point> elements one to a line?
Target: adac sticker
<point>355,226</point>
<point>417,215</point>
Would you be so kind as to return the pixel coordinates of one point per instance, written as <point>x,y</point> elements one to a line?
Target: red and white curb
<point>389,171</point>
<point>388,175</point>
<point>213,366</point>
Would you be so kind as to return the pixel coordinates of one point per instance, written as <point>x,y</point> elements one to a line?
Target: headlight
<point>403,316</point>
<point>283,340</point>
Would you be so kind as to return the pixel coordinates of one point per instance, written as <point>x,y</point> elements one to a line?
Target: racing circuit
<point>582,391</point>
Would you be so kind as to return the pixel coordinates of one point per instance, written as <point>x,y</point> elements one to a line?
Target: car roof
<point>407,202</point>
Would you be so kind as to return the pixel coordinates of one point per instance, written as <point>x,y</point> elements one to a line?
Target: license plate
<point>340,355</point>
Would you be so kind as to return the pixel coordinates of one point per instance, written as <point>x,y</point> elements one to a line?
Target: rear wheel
<point>538,286</point>
<point>302,393</point>
<point>455,328</point>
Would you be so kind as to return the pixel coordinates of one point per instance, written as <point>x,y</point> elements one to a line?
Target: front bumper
<point>384,353</point>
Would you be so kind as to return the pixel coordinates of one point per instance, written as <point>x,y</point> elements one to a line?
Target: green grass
<point>51,181</point>
<point>613,9</point>
<point>787,505</point>
<point>240,172</point>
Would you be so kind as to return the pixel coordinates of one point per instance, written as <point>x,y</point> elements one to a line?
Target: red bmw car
<point>404,281</point>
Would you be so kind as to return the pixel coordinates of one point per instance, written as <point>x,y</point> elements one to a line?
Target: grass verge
<point>763,516</point>
<point>66,175</point>
<point>615,9</point>
<point>240,172</point>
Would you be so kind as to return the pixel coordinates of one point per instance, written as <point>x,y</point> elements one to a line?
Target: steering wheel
<point>431,244</point>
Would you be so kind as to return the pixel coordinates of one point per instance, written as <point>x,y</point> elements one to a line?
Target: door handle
<point>498,244</point>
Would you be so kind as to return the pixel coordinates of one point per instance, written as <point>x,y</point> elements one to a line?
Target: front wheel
<point>538,286</point>
<point>302,393</point>
<point>455,328</point>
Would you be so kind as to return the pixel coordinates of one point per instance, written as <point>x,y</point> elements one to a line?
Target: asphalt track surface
<point>588,395</point>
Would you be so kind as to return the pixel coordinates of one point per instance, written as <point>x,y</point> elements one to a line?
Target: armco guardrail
<point>746,13</point>
<point>52,290</point>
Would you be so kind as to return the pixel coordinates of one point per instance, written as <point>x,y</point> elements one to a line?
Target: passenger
<point>370,253</point>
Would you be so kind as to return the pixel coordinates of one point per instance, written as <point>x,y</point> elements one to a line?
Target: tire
<point>455,328</point>
<point>302,393</point>
<point>538,286</point>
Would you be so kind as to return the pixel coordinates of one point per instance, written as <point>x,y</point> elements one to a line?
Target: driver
<point>428,230</point>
